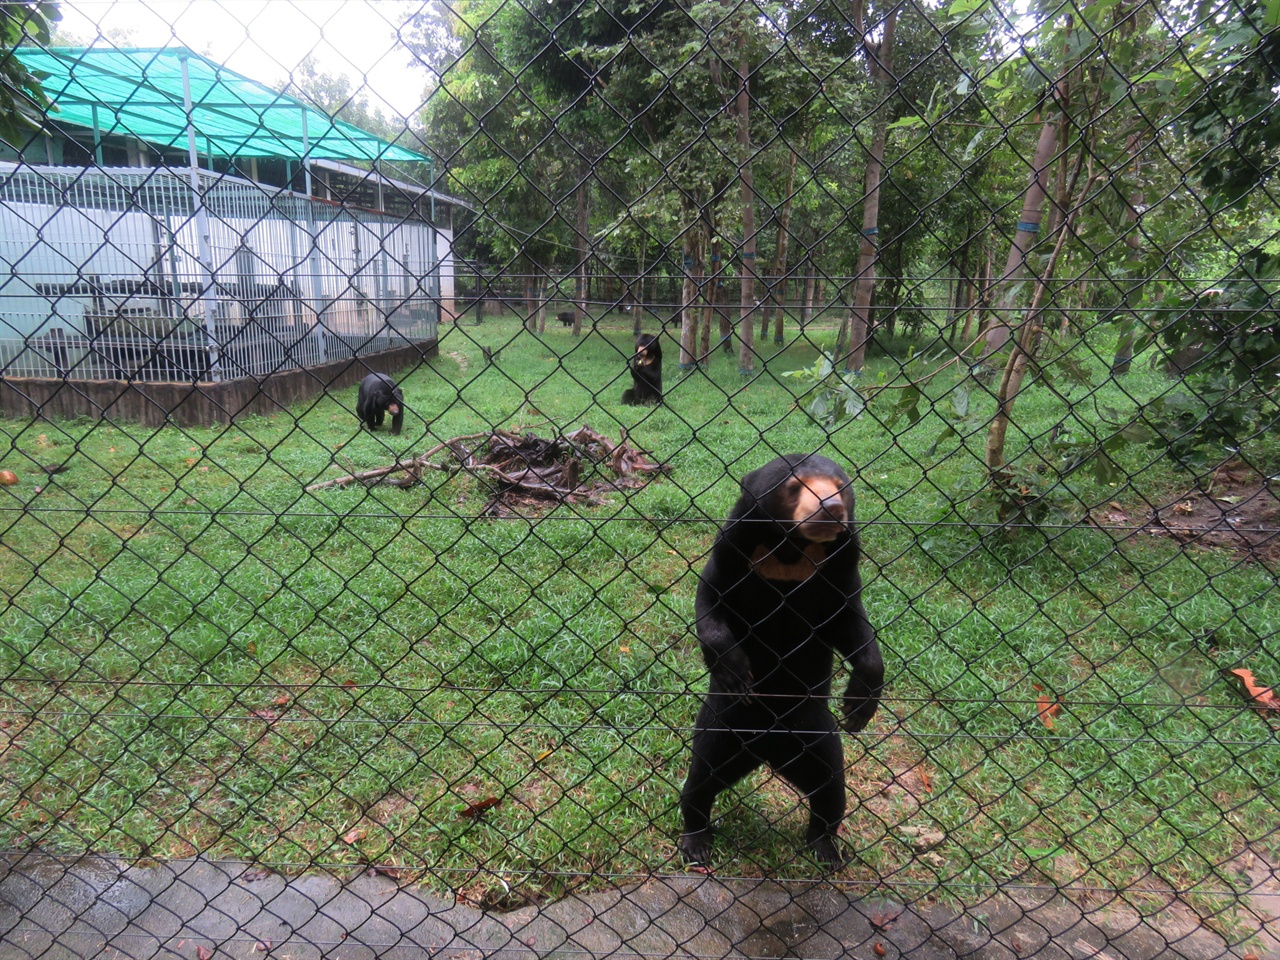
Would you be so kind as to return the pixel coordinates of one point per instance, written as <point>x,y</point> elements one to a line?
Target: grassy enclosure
<point>201,657</point>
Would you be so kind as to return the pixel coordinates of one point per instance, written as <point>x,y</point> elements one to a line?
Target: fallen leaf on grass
<point>926,780</point>
<point>1046,709</point>
<point>1260,697</point>
<point>923,838</point>
<point>699,868</point>
<point>473,810</point>
<point>264,714</point>
<point>353,836</point>
<point>1185,507</point>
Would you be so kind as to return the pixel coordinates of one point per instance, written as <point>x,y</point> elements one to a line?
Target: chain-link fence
<point>298,661</point>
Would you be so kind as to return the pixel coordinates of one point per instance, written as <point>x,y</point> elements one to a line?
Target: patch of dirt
<point>460,359</point>
<point>1236,510</point>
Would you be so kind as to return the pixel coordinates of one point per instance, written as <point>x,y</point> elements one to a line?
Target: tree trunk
<point>719,296</point>
<point>1128,327</point>
<point>747,284</point>
<point>637,294</point>
<point>711,295</point>
<point>688,321</point>
<point>580,282</point>
<point>880,63</point>
<point>778,271</point>
<point>1015,367</point>
<point>531,302</point>
<point>1024,238</point>
<point>689,306</point>
<point>806,298</point>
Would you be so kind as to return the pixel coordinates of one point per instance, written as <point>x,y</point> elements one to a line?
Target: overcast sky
<point>266,39</point>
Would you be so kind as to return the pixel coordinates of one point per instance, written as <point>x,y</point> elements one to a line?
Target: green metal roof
<point>138,92</point>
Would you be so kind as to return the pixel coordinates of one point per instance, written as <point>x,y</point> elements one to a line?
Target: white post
<point>202,228</point>
<point>313,258</point>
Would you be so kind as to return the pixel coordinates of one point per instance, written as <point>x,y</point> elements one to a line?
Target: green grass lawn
<point>200,657</point>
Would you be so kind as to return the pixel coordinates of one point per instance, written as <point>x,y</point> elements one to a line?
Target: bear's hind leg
<point>720,759</point>
<point>815,766</point>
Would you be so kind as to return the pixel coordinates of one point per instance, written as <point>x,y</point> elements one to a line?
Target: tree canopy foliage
<point>1055,140</point>
<point>22,98</point>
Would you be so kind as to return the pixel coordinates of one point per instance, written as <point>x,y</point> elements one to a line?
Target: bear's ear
<point>764,483</point>
<point>752,483</point>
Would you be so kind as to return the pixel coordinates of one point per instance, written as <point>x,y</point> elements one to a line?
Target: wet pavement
<point>58,909</point>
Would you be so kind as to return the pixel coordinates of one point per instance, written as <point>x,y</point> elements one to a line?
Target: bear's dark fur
<point>646,372</point>
<point>779,596</point>
<point>379,396</point>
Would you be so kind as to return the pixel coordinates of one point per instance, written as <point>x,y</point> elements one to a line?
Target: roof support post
<point>313,256</point>
<point>384,299</point>
<point>97,134</point>
<point>433,258</point>
<point>202,228</point>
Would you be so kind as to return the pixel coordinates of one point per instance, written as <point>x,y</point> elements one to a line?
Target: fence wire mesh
<point>297,665</point>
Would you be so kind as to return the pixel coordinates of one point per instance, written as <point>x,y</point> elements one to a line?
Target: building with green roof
<point>175,221</point>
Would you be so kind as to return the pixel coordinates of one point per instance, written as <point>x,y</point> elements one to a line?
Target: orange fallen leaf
<point>543,755</point>
<point>1261,698</point>
<point>879,949</point>
<point>353,836</point>
<point>473,810</point>
<point>926,780</point>
<point>1046,709</point>
<point>883,919</point>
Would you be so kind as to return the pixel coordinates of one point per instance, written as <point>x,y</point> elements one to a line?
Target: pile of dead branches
<point>524,466</point>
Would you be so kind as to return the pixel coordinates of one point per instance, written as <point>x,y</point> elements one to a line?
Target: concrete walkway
<point>198,910</point>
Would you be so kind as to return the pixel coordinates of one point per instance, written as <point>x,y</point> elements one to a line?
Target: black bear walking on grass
<point>379,396</point>
<point>780,595</point>
<point>646,372</point>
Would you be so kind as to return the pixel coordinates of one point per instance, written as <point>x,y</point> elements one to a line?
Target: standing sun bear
<point>646,372</point>
<point>379,396</point>
<point>780,595</point>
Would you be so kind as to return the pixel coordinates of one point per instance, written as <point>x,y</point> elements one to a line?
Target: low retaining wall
<point>188,404</point>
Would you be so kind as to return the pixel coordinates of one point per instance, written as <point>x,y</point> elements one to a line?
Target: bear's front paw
<point>732,674</point>
<point>857,712</point>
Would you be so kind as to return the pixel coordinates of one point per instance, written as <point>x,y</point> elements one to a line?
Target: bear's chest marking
<point>765,563</point>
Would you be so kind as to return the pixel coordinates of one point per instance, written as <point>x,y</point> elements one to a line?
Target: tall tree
<point>879,55</point>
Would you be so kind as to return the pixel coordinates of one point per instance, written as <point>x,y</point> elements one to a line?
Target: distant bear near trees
<point>646,372</point>
<point>379,396</point>
<point>779,596</point>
